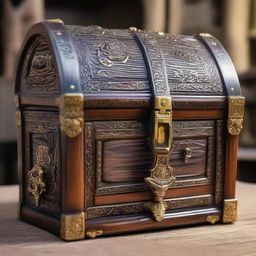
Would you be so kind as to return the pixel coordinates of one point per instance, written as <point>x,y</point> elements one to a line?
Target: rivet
<point>163,102</point>
<point>58,33</point>
<point>232,89</point>
<point>213,43</point>
<point>72,87</point>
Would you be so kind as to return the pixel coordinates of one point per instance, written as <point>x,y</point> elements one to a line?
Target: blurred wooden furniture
<point>17,237</point>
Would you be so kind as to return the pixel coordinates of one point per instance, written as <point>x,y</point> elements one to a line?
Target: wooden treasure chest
<point>125,130</point>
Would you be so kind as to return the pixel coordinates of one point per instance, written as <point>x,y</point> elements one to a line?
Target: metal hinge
<point>235,114</point>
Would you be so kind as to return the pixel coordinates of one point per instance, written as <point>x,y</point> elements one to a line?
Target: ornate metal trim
<point>229,210</point>
<point>36,185</point>
<point>212,218</point>
<point>235,114</point>
<point>161,177</point>
<point>72,226</point>
<point>93,233</point>
<point>71,113</point>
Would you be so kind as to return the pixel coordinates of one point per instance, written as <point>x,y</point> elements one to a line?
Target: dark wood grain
<point>231,166</point>
<point>73,180</point>
<point>130,160</point>
<point>138,222</point>
<point>144,196</point>
<point>117,114</point>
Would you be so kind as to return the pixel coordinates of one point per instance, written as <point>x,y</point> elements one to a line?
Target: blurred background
<point>233,22</point>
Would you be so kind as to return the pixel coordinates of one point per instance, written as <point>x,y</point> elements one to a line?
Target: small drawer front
<point>123,156</point>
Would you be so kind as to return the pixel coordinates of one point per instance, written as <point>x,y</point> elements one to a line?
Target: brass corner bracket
<point>229,210</point>
<point>72,226</point>
<point>71,113</point>
<point>235,114</point>
<point>161,177</point>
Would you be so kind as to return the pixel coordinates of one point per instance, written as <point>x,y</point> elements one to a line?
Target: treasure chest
<point>125,130</point>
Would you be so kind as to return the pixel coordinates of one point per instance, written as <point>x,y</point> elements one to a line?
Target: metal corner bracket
<point>235,114</point>
<point>229,210</point>
<point>71,113</point>
<point>72,226</point>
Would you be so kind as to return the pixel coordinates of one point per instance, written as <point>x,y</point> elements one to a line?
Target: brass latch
<point>161,177</point>
<point>235,114</point>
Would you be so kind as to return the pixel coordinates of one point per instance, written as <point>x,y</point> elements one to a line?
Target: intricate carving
<point>72,114</point>
<point>42,150</point>
<point>219,162</point>
<point>89,166</point>
<point>93,233</point>
<point>135,208</point>
<point>156,62</point>
<point>72,226</point>
<point>38,72</point>
<point>180,53</point>
<point>160,180</point>
<point>212,218</point>
<point>235,114</point>
<point>112,51</point>
<point>229,210</point>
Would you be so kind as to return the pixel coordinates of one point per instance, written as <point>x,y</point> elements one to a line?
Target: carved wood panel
<point>198,135</point>
<point>42,147</point>
<point>39,74</point>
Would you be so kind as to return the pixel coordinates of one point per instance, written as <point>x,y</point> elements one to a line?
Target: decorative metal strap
<point>161,177</point>
<point>231,83</point>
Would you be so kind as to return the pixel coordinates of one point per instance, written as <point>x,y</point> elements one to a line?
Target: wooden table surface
<point>239,239</point>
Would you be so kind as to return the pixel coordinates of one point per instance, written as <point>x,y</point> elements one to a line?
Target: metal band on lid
<point>228,73</point>
<point>161,177</point>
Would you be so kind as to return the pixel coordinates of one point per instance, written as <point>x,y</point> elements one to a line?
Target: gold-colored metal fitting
<point>55,20</point>
<point>212,218</point>
<point>163,124</point>
<point>230,210</point>
<point>18,118</point>
<point>205,34</point>
<point>188,154</point>
<point>17,101</point>
<point>133,29</point>
<point>36,185</point>
<point>93,233</point>
<point>161,177</point>
<point>235,114</point>
<point>72,226</point>
<point>71,113</point>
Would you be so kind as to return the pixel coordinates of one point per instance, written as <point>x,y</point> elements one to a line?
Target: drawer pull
<point>188,154</point>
